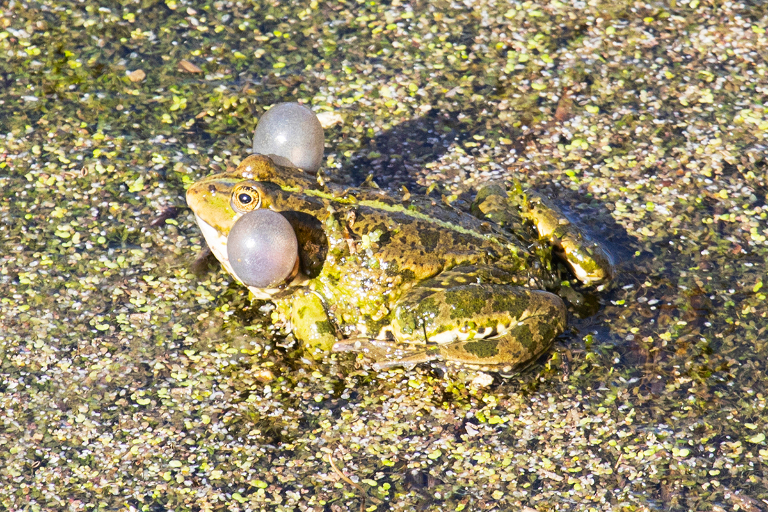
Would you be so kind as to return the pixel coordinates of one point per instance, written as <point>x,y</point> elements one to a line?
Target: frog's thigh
<point>484,325</point>
<point>311,324</point>
<point>523,343</point>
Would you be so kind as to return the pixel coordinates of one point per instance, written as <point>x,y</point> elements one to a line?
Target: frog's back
<point>417,237</point>
<point>416,243</point>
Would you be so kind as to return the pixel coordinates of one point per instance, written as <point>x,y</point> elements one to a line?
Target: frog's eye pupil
<point>245,198</point>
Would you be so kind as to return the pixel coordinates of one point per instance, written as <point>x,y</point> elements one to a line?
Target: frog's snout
<point>193,197</point>
<point>209,199</point>
<point>198,194</point>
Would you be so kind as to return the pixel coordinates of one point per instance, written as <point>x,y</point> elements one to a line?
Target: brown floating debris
<point>328,119</point>
<point>170,212</point>
<point>189,67</point>
<point>564,109</point>
<point>137,75</point>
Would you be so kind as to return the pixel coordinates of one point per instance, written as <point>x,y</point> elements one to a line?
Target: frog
<point>405,279</point>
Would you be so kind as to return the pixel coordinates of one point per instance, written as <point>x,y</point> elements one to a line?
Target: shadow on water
<point>394,155</point>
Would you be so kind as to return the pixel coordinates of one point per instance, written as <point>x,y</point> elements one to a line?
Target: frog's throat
<point>218,244</point>
<point>216,241</point>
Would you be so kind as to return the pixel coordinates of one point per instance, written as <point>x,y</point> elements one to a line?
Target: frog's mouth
<point>217,241</point>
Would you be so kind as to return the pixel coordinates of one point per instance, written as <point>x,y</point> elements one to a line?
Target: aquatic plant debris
<point>130,380</point>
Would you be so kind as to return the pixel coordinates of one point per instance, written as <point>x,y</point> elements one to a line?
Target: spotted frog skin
<point>408,280</point>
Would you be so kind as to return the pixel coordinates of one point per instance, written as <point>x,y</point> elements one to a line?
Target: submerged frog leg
<point>460,321</point>
<point>311,324</point>
<point>586,259</point>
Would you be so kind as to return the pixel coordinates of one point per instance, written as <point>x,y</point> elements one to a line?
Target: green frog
<point>411,279</point>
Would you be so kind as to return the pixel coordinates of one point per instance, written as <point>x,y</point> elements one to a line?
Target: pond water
<point>137,376</point>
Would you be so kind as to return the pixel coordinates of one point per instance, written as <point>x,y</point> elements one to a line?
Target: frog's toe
<point>384,355</point>
<point>374,350</point>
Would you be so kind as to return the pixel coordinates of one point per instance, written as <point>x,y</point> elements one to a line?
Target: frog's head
<point>220,200</point>
<point>292,136</point>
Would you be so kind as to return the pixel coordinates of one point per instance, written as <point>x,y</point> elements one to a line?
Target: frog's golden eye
<point>245,198</point>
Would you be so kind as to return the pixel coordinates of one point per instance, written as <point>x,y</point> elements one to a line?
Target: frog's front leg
<point>489,326</point>
<point>310,322</point>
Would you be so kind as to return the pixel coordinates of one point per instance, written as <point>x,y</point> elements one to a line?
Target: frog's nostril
<point>292,132</point>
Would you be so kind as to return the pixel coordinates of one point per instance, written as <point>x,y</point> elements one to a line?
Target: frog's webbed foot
<point>587,260</point>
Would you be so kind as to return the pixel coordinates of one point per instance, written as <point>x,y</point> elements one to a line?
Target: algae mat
<point>137,378</point>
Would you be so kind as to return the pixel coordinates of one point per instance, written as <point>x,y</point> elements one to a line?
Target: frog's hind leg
<point>511,352</point>
<point>488,326</point>
<point>508,207</point>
